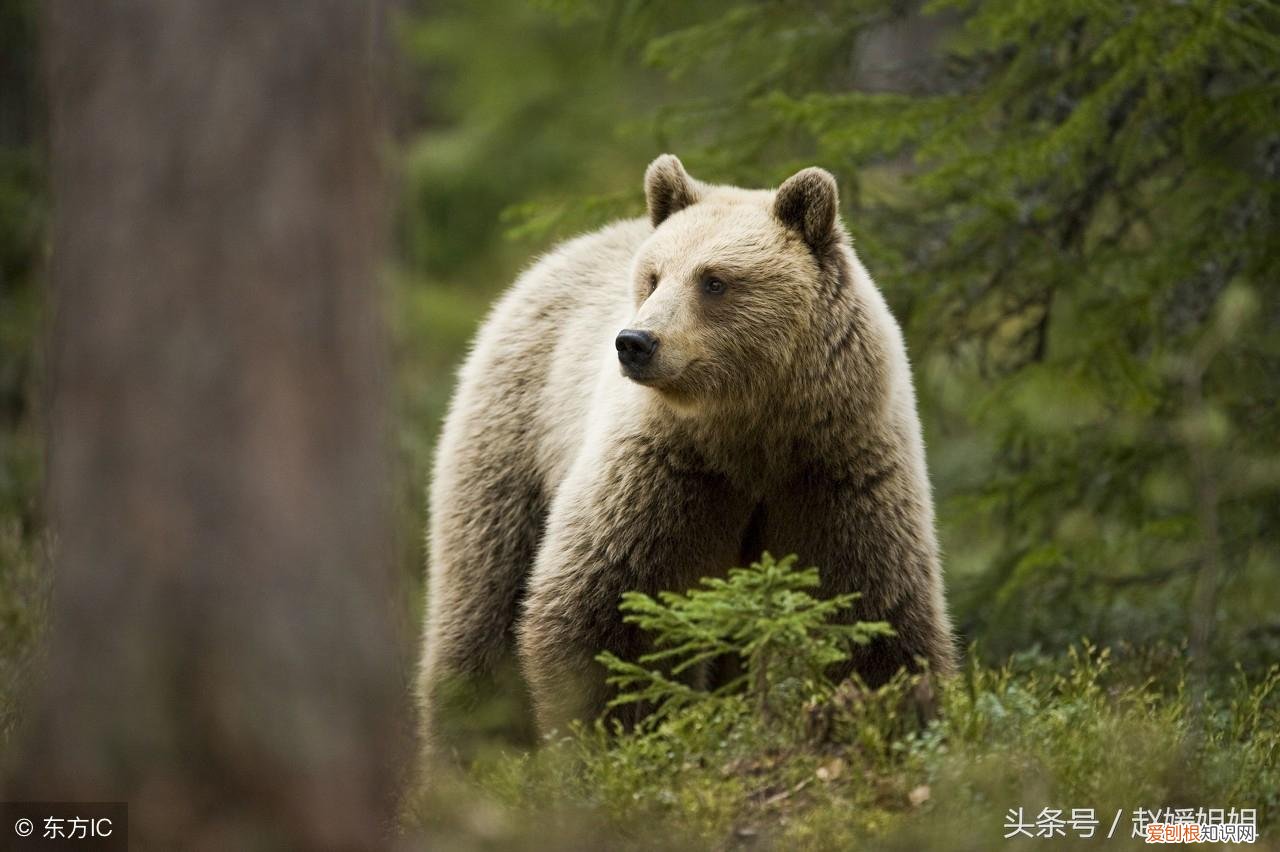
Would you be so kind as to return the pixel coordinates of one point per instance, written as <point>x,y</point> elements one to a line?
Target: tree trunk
<point>222,653</point>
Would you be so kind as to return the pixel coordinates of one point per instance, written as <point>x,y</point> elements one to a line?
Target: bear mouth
<point>641,375</point>
<point>654,377</point>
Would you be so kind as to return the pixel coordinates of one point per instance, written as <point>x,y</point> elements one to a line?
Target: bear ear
<point>668,188</point>
<point>807,203</point>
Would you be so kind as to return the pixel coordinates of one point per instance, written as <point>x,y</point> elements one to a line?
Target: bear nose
<point>635,347</point>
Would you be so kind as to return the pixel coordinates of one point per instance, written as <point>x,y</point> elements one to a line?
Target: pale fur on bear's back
<point>776,412</point>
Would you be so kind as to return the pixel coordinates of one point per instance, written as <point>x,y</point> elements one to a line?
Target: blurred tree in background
<point>221,654</point>
<point>1072,207</point>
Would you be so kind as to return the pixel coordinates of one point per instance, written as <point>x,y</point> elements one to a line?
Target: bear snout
<point>635,349</point>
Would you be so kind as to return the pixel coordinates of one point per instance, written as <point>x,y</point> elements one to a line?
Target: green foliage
<point>518,111</point>
<point>1107,729</point>
<point>762,618</point>
<point>1100,728</point>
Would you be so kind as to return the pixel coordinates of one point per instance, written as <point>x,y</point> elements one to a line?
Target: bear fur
<point>776,412</point>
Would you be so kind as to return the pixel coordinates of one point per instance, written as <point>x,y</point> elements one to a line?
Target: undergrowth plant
<point>760,622</point>
<point>1108,732</point>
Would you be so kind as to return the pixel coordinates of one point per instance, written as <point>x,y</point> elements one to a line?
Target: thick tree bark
<point>222,654</point>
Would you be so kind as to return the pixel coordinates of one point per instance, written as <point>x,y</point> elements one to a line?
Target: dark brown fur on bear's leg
<point>868,527</point>
<point>487,520</point>
<point>917,644</point>
<point>616,527</point>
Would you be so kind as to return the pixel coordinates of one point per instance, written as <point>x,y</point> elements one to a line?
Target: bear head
<point>727,284</point>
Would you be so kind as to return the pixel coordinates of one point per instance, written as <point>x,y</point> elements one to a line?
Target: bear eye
<point>714,286</point>
<point>653,281</point>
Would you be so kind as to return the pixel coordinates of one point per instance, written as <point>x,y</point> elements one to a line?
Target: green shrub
<point>761,620</point>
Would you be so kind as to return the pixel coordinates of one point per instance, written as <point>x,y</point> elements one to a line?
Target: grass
<point>1107,729</point>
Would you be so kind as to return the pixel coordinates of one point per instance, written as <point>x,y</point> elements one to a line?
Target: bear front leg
<point>645,517</point>
<point>868,527</point>
<point>486,519</point>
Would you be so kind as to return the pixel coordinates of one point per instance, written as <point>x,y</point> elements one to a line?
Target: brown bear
<point>661,400</point>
